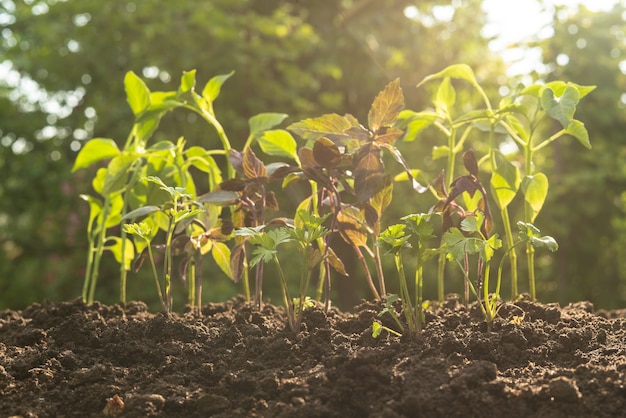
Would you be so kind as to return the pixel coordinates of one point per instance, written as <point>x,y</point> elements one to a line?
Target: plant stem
<point>99,250</point>
<point>286,298</point>
<point>407,306</point>
<point>156,276</point>
<point>368,275</point>
<point>528,218</point>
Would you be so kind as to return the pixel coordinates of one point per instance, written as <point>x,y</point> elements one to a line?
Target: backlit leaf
<point>368,172</point>
<point>351,226</point>
<point>470,163</point>
<point>326,153</point>
<point>126,256</point>
<point>212,89</point>
<point>187,82</point>
<point>116,173</point>
<point>95,150</point>
<point>332,126</point>
<point>505,181</point>
<point>535,189</point>
<point>141,212</point>
<point>253,168</point>
<point>237,262</point>
<point>460,71</point>
<point>221,255</point>
<point>137,93</point>
<point>386,106</point>
<point>446,97</point>
<point>335,262</point>
<point>561,108</point>
<point>278,143</point>
<point>264,121</point>
<point>577,129</point>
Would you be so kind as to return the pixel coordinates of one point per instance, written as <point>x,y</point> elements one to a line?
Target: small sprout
<point>377,328</point>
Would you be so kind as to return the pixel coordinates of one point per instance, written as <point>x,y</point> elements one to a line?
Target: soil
<point>72,360</point>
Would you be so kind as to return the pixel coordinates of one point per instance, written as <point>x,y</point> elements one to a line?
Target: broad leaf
<point>535,189</point>
<point>445,98</point>
<point>505,181</point>
<point>221,255</point>
<point>137,93</point>
<point>278,143</point>
<point>386,106</point>
<point>335,262</point>
<point>126,256</point>
<point>253,168</point>
<point>545,242</point>
<point>187,82</point>
<point>212,89</point>
<point>325,153</point>
<point>116,173</point>
<point>561,108</point>
<point>368,172</point>
<point>381,200</point>
<point>265,121</point>
<point>351,226</point>
<point>95,150</point>
<point>332,126</point>
<point>577,129</point>
<point>460,71</point>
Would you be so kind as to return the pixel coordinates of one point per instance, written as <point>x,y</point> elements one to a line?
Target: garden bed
<point>69,359</point>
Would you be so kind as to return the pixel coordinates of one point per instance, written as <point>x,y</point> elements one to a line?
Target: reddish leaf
<point>335,262</point>
<point>306,157</point>
<point>387,135</point>
<point>238,261</point>
<point>386,106</point>
<point>351,226</point>
<point>236,159</point>
<point>471,165</point>
<point>253,168</point>
<point>368,172</point>
<point>331,126</point>
<point>326,153</point>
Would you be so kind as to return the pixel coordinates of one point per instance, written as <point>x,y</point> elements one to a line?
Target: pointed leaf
<point>116,173</point>
<point>535,189</point>
<point>381,200</point>
<point>221,255</point>
<point>505,181</point>
<point>351,226</point>
<point>187,82</point>
<point>332,126</point>
<point>395,152</point>
<point>335,262</point>
<point>137,93</point>
<point>368,172</point>
<point>140,212</point>
<point>440,152</point>
<point>326,153</point>
<point>126,256</point>
<point>212,89</point>
<point>253,168</point>
<point>386,106</point>
<point>577,129</point>
<point>265,121</point>
<point>278,143</point>
<point>461,71</point>
<point>95,150</point>
<point>445,98</point>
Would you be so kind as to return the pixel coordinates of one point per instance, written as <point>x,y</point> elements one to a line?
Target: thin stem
<point>405,295</point>
<point>156,276</point>
<point>286,298</point>
<point>99,250</point>
<point>368,276</point>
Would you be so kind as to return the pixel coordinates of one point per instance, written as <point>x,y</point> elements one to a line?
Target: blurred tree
<point>587,197</point>
<point>63,63</point>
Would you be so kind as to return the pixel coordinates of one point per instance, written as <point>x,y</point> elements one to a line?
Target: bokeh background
<point>62,64</point>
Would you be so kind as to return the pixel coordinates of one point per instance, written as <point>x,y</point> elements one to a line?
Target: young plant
<point>393,240</point>
<point>557,100</point>
<point>118,184</point>
<point>347,157</point>
<point>180,210</point>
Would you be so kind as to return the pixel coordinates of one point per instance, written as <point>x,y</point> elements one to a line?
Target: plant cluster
<point>147,197</point>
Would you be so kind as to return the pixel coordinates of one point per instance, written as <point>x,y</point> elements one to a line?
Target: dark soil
<point>73,360</point>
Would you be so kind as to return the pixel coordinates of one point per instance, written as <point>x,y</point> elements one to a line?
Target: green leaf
<point>219,197</point>
<point>445,98</point>
<point>212,89</point>
<point>386,106</point>
<point>117,173</point>
<point>332,126</point>
<point>95,150</point>
<point>376,329</point>
<point>187,82</point>
<point>221,255</point>
<point>265,121</point>
<point>577,129</point>
<point>545,242</point>
<point>141,212</point>
<point>505,181</point>
<point>137,93</point>
<point>278,143</point>
<point>561,108</point>
<point>460,71</point>
<point>535,189</point>
<point>116,248</point>
<point>95,208</point>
